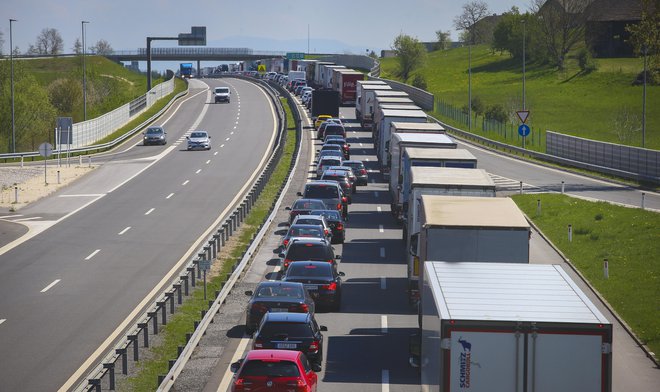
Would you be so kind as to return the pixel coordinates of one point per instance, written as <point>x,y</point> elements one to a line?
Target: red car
<point>274,371</point>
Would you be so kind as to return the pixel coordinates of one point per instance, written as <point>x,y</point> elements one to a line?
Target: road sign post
<point>45,150</point>
<point>523,129</point>
<point>204,265</point>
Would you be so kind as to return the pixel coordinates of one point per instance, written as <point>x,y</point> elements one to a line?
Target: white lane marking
<point>124,231</point>
<point>56,281</point>
<point>209,161</point>
<point>185,182</point>
<point>383,324</point>
<point>222,145</point>
<point>10,216</point>
<point>198,171</point>
<point>379,209</point>
<point>226,379</point>
<point>383,283</point>
<point>361,144</point>
<point>227,139</point>
<point>84,195</point>
<point>382,252</point>
<point>92,254</point>
<point>2,320</point>
<point>170,196</point>
<point>231,133</point>
<point>215,153</point>
<point>385,376</point>
<point>236,122</point>
<point>380,228</point>
<point>150,211</point>
<point>26,219</point>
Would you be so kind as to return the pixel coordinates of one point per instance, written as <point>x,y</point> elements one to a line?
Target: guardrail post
<point>111,374</point>
<point>161,306</point>
<point>179,296</point>
<point>95,383</point>
<point>145,327</point>
<point>216,238</point>
<point>208,253</point>
<point>200,256</point>
<point>124,361</point>
<point>134,341</point>
<point>184,278</point>
<point>170,297</point>
<point>191,271</point>
<point>154,316</point>
<point>223,232</point>
<point>170,363</point>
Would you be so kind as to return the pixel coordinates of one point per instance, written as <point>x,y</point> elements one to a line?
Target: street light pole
<point>11,60</point>
<point>84,72</point>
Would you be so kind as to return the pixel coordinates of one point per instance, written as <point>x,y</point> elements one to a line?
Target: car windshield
<point>270,368</point>
<point>154,131</point>
<point>305,232</point>
<point>307,252</point>
<point>286,331</point>
<point>306,270</point>
<point>198,134</point>
<point>221,90</point>
<point>322,191</point>
<point>279,291</point>
<point>307,204</point>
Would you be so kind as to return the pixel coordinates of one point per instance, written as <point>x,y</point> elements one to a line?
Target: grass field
<point>174,333</point>
<point>629,238</point>
<point>584,105</point>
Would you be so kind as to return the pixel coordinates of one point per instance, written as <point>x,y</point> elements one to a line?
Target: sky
<point>353,25</point>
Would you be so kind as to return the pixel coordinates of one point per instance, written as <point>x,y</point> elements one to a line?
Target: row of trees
<point>50,42</point>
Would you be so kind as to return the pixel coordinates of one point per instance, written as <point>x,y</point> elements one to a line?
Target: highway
<point>100,251</point>
<point>366,346</point>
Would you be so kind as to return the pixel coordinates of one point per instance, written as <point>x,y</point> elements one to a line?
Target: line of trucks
<point>488,319</point>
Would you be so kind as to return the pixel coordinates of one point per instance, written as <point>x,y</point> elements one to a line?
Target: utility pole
<point>84,71</point>
<point>11,60</point>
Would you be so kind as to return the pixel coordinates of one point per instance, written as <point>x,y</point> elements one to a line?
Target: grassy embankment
<point>628,237</point>
<point>584,105</point>
<point>174,333</point>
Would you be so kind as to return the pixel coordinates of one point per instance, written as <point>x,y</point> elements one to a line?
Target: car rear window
<point>309,221</point>
<point>221,90</point>
<point>308,252</point>
<point>285,331</point>
<point>306,270</point>
<point>333,177</point>
<point>306,205</point>
<point>305,232</point>
<point>321,192</point>
<point>280,291</point>
<point>270,368</point>
<point>329,214</point>
<point>198,134</point>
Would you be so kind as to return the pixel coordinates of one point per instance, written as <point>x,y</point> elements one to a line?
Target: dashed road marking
<point>124,231</point>
<point>92,254</point>
<point>198,171</point>
<point>50,286</point>
<point>170,196</point>
<point>185,182</point>
<point>150,211</point>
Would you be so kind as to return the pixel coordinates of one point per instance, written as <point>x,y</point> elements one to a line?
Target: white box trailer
<point>494,327</point>
<point>365,100</point>
<point>327,74</point>
<point>392,166</point>
<point>443,189</point>
<point>358,89</point>
<point>382,133</point>
<point>400,140</point>
<point>379,106</point>
<point>372,108</point>
<point>428,157</point>
<point>318,73</point>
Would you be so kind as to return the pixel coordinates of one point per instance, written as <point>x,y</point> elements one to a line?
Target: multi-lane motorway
<point>98,250</point>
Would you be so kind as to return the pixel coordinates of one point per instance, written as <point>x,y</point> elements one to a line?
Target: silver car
<point>199,140</point>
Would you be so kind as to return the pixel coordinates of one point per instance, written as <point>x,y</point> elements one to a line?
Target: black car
<point>308,249</point>
<point>359,170</point>
<point>334,129</point>
<point>303,206</point>
<point>276,296</point>
<point>154,135</point>
<point>321,280</point>
<point>291,331</point>
<point>336,223</point>
<point>346,148</point>
<point>342,179</point>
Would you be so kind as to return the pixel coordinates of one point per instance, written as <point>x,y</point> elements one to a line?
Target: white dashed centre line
<point>170,196</point>
<point>383,283</point>
<point>92,254</point>
<point>186,181</point>
<point>56,281</point>
<point>198,171</point>
<point>2,320</point>
<point>124,231</point>
<point>383,324</point>
<point>385,376</point>
<point>382,252</point>
<point>209,161</point>
<point>361,144</point>
<point>222,145</point>
<point>227,139</point>
<point>231,133</point>
<point>150,211</point>
<point>215,153</point>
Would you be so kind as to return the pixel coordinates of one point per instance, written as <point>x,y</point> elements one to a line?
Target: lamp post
<point>84,72</point>
<point>11,60</point>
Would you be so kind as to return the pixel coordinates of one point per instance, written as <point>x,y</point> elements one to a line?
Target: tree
<point>411,54</point>
<point>509,32</point>
<point>645,35</point>
<point>102,48</point>
<point>31,50</point>
<point>77,46</point>
<point>444,40</point>
<point>49,41</point>
<point>561,24</point>
<point>473,12</point>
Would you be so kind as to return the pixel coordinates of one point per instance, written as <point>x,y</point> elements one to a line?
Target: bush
<point>586,61</point>
<point>420,82</point>
<point>497,112</point>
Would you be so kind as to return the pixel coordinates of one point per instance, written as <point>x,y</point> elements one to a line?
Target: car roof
<point>333,172</point>
<point>290,317</point>
<point>307,216</point>
<point>289,355</point>
<point>353,161</point>
<point>322,182</point>
<point>303,200</point>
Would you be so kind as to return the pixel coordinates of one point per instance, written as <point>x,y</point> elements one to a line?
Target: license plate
<point>287,345</point>
<point>279,309</point>
<point>311,287</point>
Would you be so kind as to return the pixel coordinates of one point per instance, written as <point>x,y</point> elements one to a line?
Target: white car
<point>199,140</point>
<point>222,94</point>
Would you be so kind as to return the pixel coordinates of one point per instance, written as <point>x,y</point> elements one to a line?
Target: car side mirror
<point>235,366</point>
<point>249,292</point>
<point>323,328</point>
<point>209,137</point>
<point>341,273</point>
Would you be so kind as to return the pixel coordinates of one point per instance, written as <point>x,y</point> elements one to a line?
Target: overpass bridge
<point>194,54</point>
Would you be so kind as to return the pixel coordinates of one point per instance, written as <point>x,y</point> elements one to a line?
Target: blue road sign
<point>523,130</point>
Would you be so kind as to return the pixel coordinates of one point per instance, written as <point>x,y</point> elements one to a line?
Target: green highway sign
<point>295,56</point>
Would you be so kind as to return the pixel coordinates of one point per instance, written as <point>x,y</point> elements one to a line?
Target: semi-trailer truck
<point>186,70</point>
<point>383,132</point>
<point>365,100</point>
<point>325,102</point>
<point>496,327</point>
<point>346,85</point>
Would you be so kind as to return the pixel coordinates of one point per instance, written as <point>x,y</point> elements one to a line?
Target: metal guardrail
<point>182,284</point>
